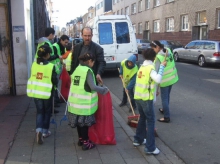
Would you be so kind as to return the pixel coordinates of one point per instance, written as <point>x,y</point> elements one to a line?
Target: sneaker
<point>80,142</point>
<point>40,139</point>
<point>155,152</point>
<point>88,145</point>
<point>137,143</point>
<point>45,135</point>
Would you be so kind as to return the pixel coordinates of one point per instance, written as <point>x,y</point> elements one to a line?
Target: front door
<point>203,33</point>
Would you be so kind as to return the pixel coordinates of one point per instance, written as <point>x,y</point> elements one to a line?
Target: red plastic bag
<point>103,131</point>
<point>65,84</point>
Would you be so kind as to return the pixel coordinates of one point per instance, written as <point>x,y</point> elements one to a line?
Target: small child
<point>40,87</point>
<point>67,57</point>
<point>144,96</point>
<point>83,99</point>
<point>128,71</point>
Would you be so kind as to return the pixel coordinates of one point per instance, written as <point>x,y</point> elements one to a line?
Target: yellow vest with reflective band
<point>67,61</point>
<point>39,85</point>
<point>170,75</point>
<point>144,87</point>
<point>50,45</point>
<point>128,73</point>
<point>80,101</point>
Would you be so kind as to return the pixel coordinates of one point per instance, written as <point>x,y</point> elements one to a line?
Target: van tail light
<point>217,54</point>
<point>136,57</point>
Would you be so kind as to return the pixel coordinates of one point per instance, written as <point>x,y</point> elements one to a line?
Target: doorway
<point>199,32</point>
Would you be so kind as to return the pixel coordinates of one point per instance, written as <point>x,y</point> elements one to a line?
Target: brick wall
<point>175,10</point>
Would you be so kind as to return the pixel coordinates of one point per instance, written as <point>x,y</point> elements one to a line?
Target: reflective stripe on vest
<point>145,86</point>
<point>128,73</point>
<point>39,85</point>
<point>81,102</point>
<point>170,75</point>
<point>67,61</point>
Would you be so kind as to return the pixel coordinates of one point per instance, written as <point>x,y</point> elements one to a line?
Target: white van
<point>115,34</point>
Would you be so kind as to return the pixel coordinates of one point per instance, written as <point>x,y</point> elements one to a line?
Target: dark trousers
<point>131,95</point>
<point>83,132</point>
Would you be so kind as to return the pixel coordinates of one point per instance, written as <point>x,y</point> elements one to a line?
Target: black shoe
<point>80,142</point>
<point>88,145</point>
<point>165,119</point>
<point>122,104</point>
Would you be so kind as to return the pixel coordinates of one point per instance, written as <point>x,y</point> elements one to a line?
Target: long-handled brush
<point>65,116</point>
<point>132,120</point>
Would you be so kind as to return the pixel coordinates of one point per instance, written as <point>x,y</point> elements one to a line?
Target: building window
<point>202,17</point>
<point>184,23</point>
<point>218,12</point>
<point>114,1</point>
<point>140,31</point>
<point>133,8</point>
<point>156,26</point>
<point>140,6</point>
<point>147,3</point>
<point>147,25</point>
<point>127,11</point>
<point>121,11</point>
<point>134,27</point>
<point>156,3</point>
<point>170,24</point>
<point>169,1</point>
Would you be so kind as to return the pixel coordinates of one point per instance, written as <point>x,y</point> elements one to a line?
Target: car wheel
<point>176,57</point>
<point>201,61</point>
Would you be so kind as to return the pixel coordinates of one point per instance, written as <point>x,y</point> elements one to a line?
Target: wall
<point>4,51</point>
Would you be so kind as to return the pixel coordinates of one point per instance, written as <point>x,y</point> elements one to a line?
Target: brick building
<point>180,20</point>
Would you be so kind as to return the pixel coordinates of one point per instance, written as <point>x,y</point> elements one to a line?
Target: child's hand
<point>121,76</point>
<point>164,63</point>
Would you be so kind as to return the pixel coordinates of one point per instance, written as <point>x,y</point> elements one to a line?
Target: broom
<point>132,120</point>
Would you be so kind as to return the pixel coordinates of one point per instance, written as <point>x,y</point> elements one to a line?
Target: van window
<point>105,33</point>
<point>122,32</point>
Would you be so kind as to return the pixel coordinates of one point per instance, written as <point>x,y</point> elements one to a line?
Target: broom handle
<point>127,94</point>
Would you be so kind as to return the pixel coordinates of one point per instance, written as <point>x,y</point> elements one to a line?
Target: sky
<point>70,9</point>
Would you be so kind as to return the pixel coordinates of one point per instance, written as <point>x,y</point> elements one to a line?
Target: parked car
<point>142,44</point>
<point>201,51</point>
<point>171,44</point>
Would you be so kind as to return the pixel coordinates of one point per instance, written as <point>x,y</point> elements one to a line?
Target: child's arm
<point>131,84</point>
<point>157,77</point>
<point>93,86</point>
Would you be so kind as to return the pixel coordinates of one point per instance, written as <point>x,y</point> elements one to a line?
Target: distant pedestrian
<point>170,77</point>
<point>128,71</point>
<point>83,99</point>
<point>40,86</point>
<point>144,96</point>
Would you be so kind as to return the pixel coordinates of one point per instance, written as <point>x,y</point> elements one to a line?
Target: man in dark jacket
<point>89,46</point>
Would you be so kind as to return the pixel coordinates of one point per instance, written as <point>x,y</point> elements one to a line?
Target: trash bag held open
<point>103,131</point>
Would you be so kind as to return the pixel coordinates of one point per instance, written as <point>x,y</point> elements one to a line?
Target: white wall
<point>22,43</point>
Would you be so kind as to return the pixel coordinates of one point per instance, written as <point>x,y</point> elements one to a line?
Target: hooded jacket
<point>131,84</point>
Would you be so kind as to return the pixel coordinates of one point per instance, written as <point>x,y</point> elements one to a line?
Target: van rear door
<point>125,40</point>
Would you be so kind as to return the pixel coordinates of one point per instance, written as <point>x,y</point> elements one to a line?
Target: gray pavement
<point>61,147</point>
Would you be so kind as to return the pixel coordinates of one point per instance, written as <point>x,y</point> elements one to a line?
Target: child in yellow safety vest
<point>144,97</point>
<point>128,71</point>
<point>83,99</point>
<point>40,86</point>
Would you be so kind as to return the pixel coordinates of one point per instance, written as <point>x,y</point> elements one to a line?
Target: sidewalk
<point>61,147</point>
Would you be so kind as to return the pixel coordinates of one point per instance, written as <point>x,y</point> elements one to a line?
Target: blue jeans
<point>165,98</point>
<point>44,107</point>
<point>147,120</point>
<point>131,95</point>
